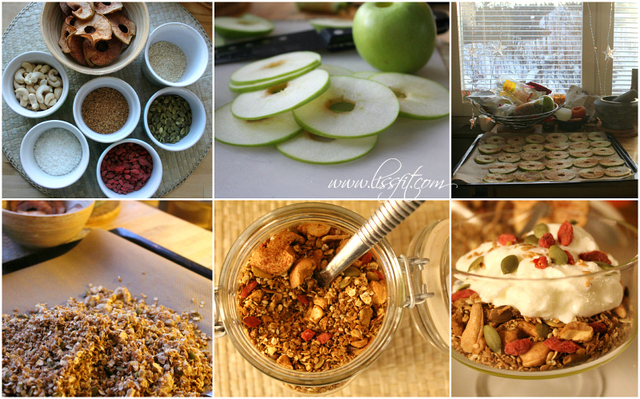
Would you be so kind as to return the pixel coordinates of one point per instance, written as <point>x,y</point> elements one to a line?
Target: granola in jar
<point>291,319</point>
<point>541,303</point>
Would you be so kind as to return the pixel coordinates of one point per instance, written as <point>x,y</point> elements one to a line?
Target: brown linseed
<point>105,110</point>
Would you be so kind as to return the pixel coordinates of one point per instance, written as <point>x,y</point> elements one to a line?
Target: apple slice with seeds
<point>335,70</point>
<point>419,98</point>
<point>248,25</point>
<point>351,108</point>
<point>310,148</point>
<point>262,132</point>
<point>268,83</point>
<point>281,98</point>
<point>273,67</point>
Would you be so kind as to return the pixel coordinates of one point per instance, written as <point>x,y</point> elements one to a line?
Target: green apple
<point>335,70</point>
<point>351,108</point>
<point>419,98</point>
<point>309,148</point>
<point>239,132</point>
<point>336,23</point>
<point>248,25</point>
<point>240,88</point>
<point>395,37</point>
<point>282,97</point>
<point>274,67</point>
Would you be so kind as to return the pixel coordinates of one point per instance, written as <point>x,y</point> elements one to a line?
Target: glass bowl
<point>616,238</point>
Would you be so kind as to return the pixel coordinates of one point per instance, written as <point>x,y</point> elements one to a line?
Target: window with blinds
<point>625,45</point>
<point>542,42</point>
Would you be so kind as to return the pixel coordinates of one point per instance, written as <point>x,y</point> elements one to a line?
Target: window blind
<point>531,41</point>
<point>625,46</point>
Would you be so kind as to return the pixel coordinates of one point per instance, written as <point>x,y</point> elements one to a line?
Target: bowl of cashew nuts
<point>35,84</point>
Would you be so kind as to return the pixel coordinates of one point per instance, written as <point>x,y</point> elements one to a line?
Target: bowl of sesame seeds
<point>54,154</point>
<point>106,109</point>
<point>175,55</point>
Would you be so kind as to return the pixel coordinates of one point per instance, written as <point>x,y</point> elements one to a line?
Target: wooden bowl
<point>51,19</point>
<point>45,231</point>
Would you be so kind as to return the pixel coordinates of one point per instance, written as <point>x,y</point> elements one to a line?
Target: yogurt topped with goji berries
<point>547,274</point>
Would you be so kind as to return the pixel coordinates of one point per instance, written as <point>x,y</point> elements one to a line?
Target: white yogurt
<point>558,291</point>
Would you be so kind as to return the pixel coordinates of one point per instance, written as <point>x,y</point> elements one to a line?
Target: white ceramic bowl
<point>190,42</point>
<point>28,161</point>
<point>198,119</point>
<point>127,91</point>
<point>150,187</point>
<point>7,83</point>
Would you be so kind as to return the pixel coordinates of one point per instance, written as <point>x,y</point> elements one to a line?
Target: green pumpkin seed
<point>557,255</point>
<point>531,240</point>
<point>192,355</point>
<point>542,330</point>
<point>509,264</point>
<point>352,271</point>
<point>463,287</point>
<point>493,339</point>
<point>603,265</point>
<point>540,230</point>
<point>475,265</point>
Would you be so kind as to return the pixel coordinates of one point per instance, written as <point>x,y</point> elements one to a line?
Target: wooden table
<point>198,185</point>
<point>183,238</point>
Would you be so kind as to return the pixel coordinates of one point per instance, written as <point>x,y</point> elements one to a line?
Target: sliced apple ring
<point>309,148</point>
<point>419,98</point>
<point>273,67</point>
<point>282,97</point>
<point>336,23</point>
<point>271,82</point>
<point>335,70</point>
<point>364,74</point>
<point>351,108</point>
<point>263,132</point>
<point>248,25</point>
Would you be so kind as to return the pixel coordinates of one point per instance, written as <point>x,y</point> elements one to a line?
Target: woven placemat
<point>23,35</point>
<point>408,367</point>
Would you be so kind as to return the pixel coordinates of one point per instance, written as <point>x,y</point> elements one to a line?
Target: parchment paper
<point>99,259</point>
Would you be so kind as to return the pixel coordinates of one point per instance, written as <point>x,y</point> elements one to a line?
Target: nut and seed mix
<point>296,322</point>
<point>108,344</point>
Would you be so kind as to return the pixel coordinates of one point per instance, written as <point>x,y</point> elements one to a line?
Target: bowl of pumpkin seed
<point>174,119</point>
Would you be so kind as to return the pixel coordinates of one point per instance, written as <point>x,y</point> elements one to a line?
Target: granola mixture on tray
<point>540,323</point>
<point>109,344</point>
<point>294,321</point>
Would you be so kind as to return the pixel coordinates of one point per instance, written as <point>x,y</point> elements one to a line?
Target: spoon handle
<point>383,220</point>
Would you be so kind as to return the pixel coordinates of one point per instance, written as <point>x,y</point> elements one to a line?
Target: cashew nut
<point>57,92</point>
<point>22,93</point>
<point>37,68</point>
<point>42,90</point>
<point>17,85</point>
<point>19,75</point>
<point>23,102</point>
<point>303,268</point>
<point>536,355</point>
<point>50,100</point>
<point>31,89</point>
<point>42,106</point>
<point>54,80</point>
<point>45,68</point>
<point>34,77</point>
<point>27,66</point>
<point>33,100</point>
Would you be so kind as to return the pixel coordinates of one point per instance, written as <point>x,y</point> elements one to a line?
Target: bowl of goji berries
<point>106,109</point>
<point>129,168</point>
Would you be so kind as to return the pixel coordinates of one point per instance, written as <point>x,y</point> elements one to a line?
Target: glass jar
<point>613,237</point>
<point>405,289</point>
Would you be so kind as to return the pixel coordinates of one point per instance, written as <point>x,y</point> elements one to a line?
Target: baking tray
<point>23,35</point>
<point>111,259</point>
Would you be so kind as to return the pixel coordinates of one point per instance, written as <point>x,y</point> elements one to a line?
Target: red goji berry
<point>570,259</point>
<point>366,258</point>
<point>252,321</point>
<point>380,275</point>
<point>307,334</point>
<point>598,327</point>
<point>565,233</point>
<point>324,337</point>
<point>462,294</point>
<point>517,347</point>
<point>303,299</point>
<point>248,288</point>
<point>541,262</point>
<point>561,345</point>
<point>507,239</point>
<point>595,256</point>
<point>546,240</point>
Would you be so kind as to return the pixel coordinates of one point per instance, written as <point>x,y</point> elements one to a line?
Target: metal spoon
<point>383,220</point>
